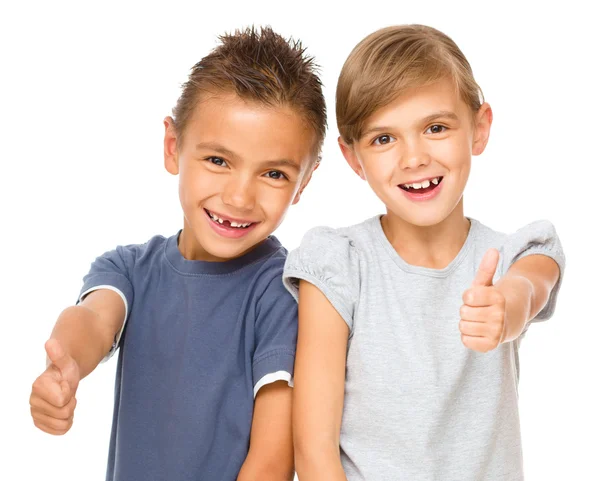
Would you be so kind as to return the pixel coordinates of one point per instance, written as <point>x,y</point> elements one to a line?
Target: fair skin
<point>426,133</point>
<point>246,163</point>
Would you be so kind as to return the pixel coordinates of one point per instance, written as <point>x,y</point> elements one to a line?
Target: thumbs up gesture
<point>482,316</point>
<point>52,399</point>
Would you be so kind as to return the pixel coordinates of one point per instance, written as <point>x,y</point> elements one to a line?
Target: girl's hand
<point>483,314</point>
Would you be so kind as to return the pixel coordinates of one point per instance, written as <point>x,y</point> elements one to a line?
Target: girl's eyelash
<point>442,127</point>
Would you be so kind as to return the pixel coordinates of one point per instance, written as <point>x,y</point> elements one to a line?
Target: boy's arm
<point>319,377</point>
<point>497,313</point>
<point>271,454</point>
<point>81,338</point>
<point>86,332</point>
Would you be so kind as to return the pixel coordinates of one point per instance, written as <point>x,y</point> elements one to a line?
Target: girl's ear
<point>170,146</point>
<point>350,156</point>
<point>483,124</point>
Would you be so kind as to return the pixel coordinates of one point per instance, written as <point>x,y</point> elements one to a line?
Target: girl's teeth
<point>422,185</point>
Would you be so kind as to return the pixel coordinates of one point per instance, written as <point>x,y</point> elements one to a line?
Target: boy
<point>206,329</point>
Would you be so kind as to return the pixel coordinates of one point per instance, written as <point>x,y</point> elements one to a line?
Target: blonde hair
<point>391,60</point>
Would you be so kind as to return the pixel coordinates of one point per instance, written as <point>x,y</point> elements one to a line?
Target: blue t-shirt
<point>200,339</point>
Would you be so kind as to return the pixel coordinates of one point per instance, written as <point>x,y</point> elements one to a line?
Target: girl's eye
<point>217,161</point>
<point>275,175</point>
<point>383,140</point>
<point>436,129</point>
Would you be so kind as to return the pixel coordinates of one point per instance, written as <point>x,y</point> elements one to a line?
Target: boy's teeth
<point>425,184</point>
<point>233,224</point>
<point>435,181</point>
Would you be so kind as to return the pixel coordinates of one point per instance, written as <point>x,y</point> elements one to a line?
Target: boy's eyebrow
<point>437,115</point>
<point>282,163</point>
<point>228,153</point>
<point>216,147</point>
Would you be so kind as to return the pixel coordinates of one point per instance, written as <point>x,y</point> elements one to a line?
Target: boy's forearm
<point>76,330</point>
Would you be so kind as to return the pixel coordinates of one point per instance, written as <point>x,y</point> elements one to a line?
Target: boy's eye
<point>383,140</point>
<point>217,161</point>
<point>275,175</point>
<point>436,129</point>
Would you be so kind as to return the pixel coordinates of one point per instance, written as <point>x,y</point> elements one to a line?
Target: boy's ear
<point>483,124</point>
<point>170,146</point>
<point>350,156</point>
<point>305,182</point>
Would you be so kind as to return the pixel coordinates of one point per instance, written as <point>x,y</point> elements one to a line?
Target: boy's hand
<point>483,313</point>
<point>52,398</point>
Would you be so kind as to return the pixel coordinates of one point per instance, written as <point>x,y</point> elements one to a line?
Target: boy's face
<point>241,165</point>
<point>416,152</point>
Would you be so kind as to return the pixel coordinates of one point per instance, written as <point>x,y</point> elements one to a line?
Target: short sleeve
<point>276,333</point>
<point>111,271</point>
<point>539,237</point>
<point>327,259</point>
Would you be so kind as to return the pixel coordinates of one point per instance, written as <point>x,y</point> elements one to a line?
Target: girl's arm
<point>318,394</point>
<point>497,313</point>
<point>526,287</point>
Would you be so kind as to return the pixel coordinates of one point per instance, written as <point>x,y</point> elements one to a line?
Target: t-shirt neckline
<point>377,229</point>
<point>185,266</point>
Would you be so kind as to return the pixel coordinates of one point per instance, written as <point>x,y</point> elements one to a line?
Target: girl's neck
<point>433,246</point>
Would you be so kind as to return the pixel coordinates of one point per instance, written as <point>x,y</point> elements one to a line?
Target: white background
<point>83,91</point>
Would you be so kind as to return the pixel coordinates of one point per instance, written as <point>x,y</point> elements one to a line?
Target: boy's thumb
<point>56,354</point>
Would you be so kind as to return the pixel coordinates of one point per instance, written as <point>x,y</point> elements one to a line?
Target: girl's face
<point>415,153</point>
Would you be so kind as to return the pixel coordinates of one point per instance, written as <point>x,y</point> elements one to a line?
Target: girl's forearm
<point>315,463</point>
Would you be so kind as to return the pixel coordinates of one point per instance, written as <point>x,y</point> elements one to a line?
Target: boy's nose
<point>239,194</point>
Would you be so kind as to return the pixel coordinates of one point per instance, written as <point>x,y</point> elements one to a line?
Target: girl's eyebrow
<point>446,114</point>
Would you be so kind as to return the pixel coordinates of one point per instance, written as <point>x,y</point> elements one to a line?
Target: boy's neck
<point>192,250</point>
<point>433,246</point>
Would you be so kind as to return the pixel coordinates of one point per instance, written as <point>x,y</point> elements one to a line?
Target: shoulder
<point>537,237</point>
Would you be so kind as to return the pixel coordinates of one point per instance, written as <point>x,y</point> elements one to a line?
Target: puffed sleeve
<point>539,237</point>
<point>327,259</point>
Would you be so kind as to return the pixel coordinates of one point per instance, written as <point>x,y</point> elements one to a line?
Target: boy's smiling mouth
<point>229,227</point>
<point>423,189</point>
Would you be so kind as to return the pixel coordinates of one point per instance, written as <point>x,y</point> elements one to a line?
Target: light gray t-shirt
<point>418,404</point>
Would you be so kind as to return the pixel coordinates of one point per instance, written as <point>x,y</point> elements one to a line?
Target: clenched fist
<point>52,398</point>
<point>482,316</point>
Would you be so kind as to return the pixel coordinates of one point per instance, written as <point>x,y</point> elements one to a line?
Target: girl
<point>409,326</point>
